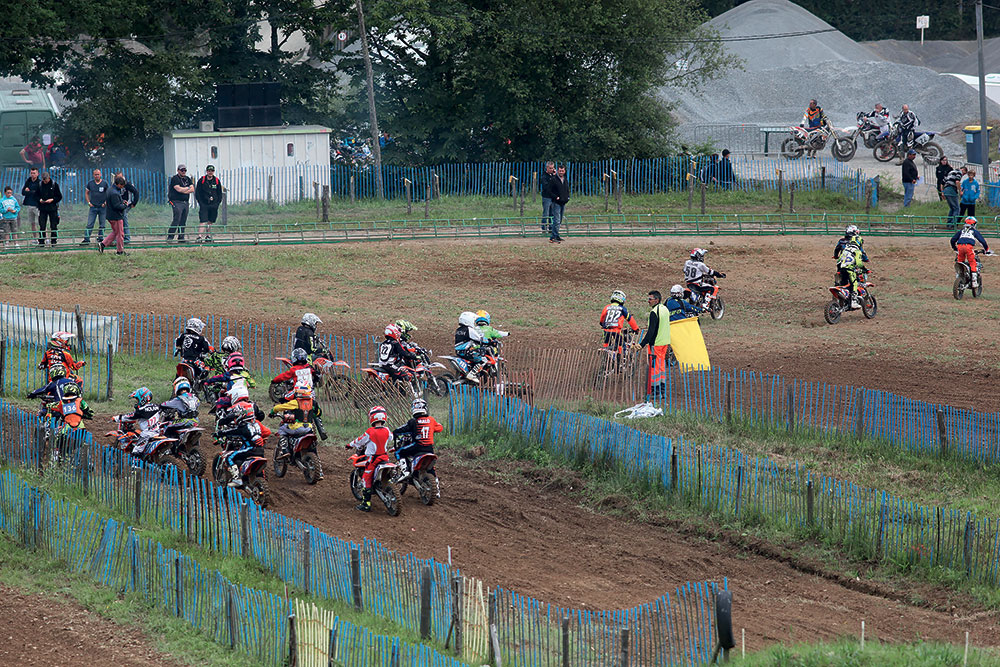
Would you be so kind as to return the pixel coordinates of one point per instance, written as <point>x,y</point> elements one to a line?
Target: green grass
<point>34,573</point>
<point>847,652</point>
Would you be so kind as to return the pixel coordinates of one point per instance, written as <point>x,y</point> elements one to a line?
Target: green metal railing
<point>605,225</point>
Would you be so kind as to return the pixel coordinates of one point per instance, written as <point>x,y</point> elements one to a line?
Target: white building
<point>288,159</point>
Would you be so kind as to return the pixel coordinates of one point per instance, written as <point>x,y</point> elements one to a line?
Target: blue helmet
<point>143,396</point>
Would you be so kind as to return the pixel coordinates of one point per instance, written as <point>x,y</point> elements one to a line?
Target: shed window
<point>291,150</point>
<point>215,152</point>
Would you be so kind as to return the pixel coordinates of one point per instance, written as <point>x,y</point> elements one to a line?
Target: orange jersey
<point>615,316</point>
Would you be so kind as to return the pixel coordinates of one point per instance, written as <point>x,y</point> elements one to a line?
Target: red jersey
<point>424,429</point>
<point>375,441</point>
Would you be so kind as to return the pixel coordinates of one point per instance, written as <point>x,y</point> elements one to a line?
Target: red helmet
<point>377,414</point>
<point>393,332</point>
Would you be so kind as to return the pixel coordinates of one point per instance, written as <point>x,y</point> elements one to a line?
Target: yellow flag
<point>689,345</point>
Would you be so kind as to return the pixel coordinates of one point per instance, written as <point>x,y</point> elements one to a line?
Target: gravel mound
<point>939,55</point>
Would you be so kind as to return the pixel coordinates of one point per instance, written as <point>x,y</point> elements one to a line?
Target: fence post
<point>426,578</point>
<point>729,399</point>
<point>698,449</point>
<point>189,510</point>
<point>809,502</point>
<point>673,469</point>
<point>351,186</point>
<point>293,648</point>
<point>822,177</point>
<point>690,178</point>
<point>111,372</point>
<point>138,496</point>
<point>178,600</point>
<point>40,445</point>
<point>791,197</point>
<point>791,409</point>
<point>306,548</point>
<point>866,193</point>
<point>302,188</point>
<point>270,190</point>
<point>326,203</point>
<point>859,427</point>
<point>881,530</point>
<point>942,432</point>
<point>319,204</point>
<point>245,530</point>
<point>781,188</point>
<point>565,641</point>
<point>624,636</point>
<point>522,201</point>
<point>356,579</point>
<point>409,200</point>
<point>231,617</point>
<point>739,488</point>
<point>618,183</point>
<point>512,182</point>
<point>534,187</point>
<point>703,188</point>
<point>79,329</point>
<point>491,622</point>
<point>970,531</point>
<point>607,191</point>
<point>3,360</point>
<point>224,207</point>
<point>332,648</point>
<point>457,609</point>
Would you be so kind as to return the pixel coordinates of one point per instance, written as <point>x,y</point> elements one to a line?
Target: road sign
<point>342,36</point>
<point>923,22</point>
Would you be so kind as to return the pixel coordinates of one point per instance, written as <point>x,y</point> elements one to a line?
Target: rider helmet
<point>311,320</point>
<point>405,327</point>
<point>57,371</point>
<point>181,386</point>
<point>971,221</point>
<point>71,390</point>
<point>61,340</point>
<point>392,332</point>
<point>299,356</point>
<point>231,344</point>
<point>377,414</point>
<point>467,319</point>
<point>698,254</point>
<point>195,325</point>
<point>618,296</point>
<point>677,291</point>
<point>419,407</point>
<point>142,395</point>
<point>235,362</point>
<point>851,230</point>
<point>482,318</point>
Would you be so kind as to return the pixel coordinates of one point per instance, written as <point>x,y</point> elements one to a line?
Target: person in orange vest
<point>658,339</point>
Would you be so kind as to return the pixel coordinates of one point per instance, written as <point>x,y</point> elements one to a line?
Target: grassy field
<point>848,653</point>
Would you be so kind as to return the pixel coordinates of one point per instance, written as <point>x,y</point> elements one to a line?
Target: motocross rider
<point>306,338</point>
<point>679,307</point>
<point>184,402</point>
<point>303,393</point>
<point>53,391</point>
<point>469,340</point>
<point>489,333</point>
<point>193,347</point>
<point>243,422</point>
<point>850,233</point>
<point>814,117</point>
<point>964,243</point>
<point>144,420</point>
<point>879,117</point>
<point>293,426</point>
<point>393,357</point>
<point>373,443</point>
<point>614,317</point>
<point>72,416</point>
<point>405,327</point>
<point>418,433</point>
<point>57,354</point>
<point>695,271</point>
<point>908,123</point>
<point>851,264</point>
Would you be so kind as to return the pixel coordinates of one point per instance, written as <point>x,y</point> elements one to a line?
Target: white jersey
<point>695,271</point>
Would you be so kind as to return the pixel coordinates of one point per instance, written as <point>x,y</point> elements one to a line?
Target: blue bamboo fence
<point>151,184</point>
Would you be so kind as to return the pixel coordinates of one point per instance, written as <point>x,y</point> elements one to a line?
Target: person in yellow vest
<point>658,339</point>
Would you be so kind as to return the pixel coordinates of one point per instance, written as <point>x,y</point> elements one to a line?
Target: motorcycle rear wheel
<point>357,485</point>
<point>843,150</point>
<point>932,153</point>
<point>387,494</point>
<point>437,385</point>
<point>425,487</point>
<point>276,391</point>
<point>977,291</point>
<point>195,462</point>
<point>884,151</point>
<point>258,491</point>
<point>869,306</point>
<point>832,312</point>
<point>792,149</point>
<point>313,470</point>
<point>718,308</point>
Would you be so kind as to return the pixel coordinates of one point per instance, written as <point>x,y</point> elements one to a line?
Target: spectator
<point>96,193</point>
<point>131,197</point>
<point>56,155</point>
<point>116,216</point>
<point>9,210</point>
<point>179,197</point>
<point>30,194</point>
<point>208,194</point>
<point>49,197</point>
<point>726,177</point>
<point>543,186</point>
<point>910,177</point>
<point>560,191</point>
<point>34,154</point>
<point>710,172</point>
<point>952,190</point>
<point>970,194</point>
<point>942,170</point>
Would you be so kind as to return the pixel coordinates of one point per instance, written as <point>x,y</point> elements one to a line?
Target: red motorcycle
<point>157,449</point>
<point>253,471</point>
<point>710,301</point>
<point>381,482</point>
<point>842,301</point>
<point>421,478</point>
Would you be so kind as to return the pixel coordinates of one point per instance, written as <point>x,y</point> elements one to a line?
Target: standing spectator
<point>559,186</point>
<point>710,172</point>
<point>208,194</point>
<point>116,217</point>
<point>910,177</point>
<point>658,339</point>
<point>179,197</point>
<point>34,154</point>
<point>543,186</point>
<point>131,197</point>
<point>30,194</point>
<point>9,210</point>
<point>726,177</point>
<point>49,197</point>
<point>970,194</point>
<point>56,155</point>
<point>942,170</point>
<point>952,190</point>
<point>96,194</point>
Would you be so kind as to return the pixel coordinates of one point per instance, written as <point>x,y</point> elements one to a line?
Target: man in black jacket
<point>543,183</point>
<point>208,194</point>
<point>30,193</point>
<point>910,177</point>
<point>559,189</point>
<point>49,197</point>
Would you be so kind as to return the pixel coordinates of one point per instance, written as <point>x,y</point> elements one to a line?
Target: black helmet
<point>299,355</point>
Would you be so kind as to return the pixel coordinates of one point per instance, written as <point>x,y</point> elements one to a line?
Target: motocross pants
<point>373,462</point>
<point>967,253</point>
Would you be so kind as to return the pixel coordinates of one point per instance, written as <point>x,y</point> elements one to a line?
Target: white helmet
<point>851,230</point>
<point>231,344</point>
<point>467,319</point>
<point>419,407</point>
<point>195,325</point>
<point>698,254</point>
<point>311,320</point>
<point>618,296</point>
<point>677,290</point>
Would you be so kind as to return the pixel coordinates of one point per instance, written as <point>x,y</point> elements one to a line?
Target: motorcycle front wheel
<point>958,288</point>
<point>832,312</point>
<point>792,149</point>
<point>932,153</point>
<point>219,470</point>
<point>195,462</point>
<point>843,150</point>
<point>869,306</point>
<point>280,465</point>
<point>312,469</point>
<point>885,151</point>
<point>258,491</point>
<point>357,485</point>
<point>388,495</point>
<point>718,308</point>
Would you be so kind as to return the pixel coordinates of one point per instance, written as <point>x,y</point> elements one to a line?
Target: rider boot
<point>283,447</point>
<point>975,279</point>
<point>319,428</point>
<point>404,471</point>
<point>366,504</point>
<point>234,472</point>
<point>473,374</point>
<point>437,487</point>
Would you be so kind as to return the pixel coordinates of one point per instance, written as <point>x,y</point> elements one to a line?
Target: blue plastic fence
<point>152,185</point>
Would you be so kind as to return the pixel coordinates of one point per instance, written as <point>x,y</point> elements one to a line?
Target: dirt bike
<point>710,301</point>
<point>618,362</point>
<point>891,148</point>
<point>842,300</point>
<point>252,470</point>
<point>187,435</point>
<point>963,278</point>
<point>300,453</point>
<point>69,414</point>
<point>197,372</point>
<point>424,373</point>
<point>868,130</point>
<point>421,478</point>
<point>381,482</point>
<point>804,140</point>
<point>334,387</point>
<point>844,144</point>
<point>377,385</point>
<point>157,449</point>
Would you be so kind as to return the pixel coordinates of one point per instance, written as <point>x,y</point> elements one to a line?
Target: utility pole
<point>983,134</point>
<point>373,119</point>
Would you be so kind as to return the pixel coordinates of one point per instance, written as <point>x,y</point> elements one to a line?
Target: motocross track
<point>45,631</point>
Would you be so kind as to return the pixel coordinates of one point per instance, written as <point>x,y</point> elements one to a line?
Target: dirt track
<point>44,631</point>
